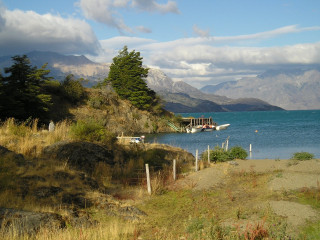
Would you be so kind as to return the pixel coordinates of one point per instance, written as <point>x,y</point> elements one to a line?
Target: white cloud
<point>144,29</point>
<point>153,6</point>
<point>204,60</point>
<point>27,31</point>
<point>200,32</point>
<point>107,11</point>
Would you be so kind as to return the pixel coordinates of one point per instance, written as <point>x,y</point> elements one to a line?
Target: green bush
<point>218,154</point>
<point>238,152</point>
<point>91,131</point>
<point>301,156</point>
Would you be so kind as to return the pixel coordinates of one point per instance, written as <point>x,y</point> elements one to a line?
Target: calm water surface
<point>273,134</point>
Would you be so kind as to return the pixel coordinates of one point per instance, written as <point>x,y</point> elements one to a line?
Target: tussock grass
<point>108,229</point>
<point>28,138</point>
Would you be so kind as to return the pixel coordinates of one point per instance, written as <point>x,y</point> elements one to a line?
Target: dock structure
<point>191,121</point>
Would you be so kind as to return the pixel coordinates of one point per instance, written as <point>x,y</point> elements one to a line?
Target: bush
<point>238,152</point>
<point>91,131</point>
<point>301,156</point>
<point>216,155</point>
<point>220,155</point>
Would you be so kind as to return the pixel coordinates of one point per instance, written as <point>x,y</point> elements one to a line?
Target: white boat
<point>208,128</point>
<point>196,129</point>
<point>222,127</point>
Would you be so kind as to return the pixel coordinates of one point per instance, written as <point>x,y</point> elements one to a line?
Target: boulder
<point>44,192</point>
<point>26,222</point>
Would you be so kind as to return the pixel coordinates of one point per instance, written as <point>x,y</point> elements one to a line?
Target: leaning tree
<point>127,76</point>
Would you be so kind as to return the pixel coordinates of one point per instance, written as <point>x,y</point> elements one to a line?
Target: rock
<point>76,200</point>
<point>17,158</point>
<point>81,219</point>
<point>126,212</point>
<point>80,155</point>
<point>60,175</point>
<point>91,183</point>
<point>44,192</point>
<point>27,222</point>
<point>234,163</point>
<point>33,178</point>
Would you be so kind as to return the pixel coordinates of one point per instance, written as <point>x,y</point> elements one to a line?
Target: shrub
<point>220,155</point>
<point>238,152</point>
<point>91,131</point>
<point>301,156</point>
<point>216,155</point>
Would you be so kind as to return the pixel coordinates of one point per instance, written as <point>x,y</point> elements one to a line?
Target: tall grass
<point>108,230</point>
<point>28,138</point>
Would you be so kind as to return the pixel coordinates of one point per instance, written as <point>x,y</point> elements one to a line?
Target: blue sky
<point>200,42</point>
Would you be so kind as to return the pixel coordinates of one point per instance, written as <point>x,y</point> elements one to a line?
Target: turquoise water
<point>272,134</point>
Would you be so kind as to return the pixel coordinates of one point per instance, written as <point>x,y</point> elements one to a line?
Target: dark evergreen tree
<point>127,77</point>
<point>21,95</point>
<point>73,89</point>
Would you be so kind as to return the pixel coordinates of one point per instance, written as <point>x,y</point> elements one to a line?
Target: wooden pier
<point>191,121</point>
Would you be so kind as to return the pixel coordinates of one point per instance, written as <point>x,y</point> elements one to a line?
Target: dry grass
<point>28,138</point>
<point>112,229</point>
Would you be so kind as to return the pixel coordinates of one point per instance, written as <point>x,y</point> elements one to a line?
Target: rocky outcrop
<point>26,222</point>
<point>17,158</point>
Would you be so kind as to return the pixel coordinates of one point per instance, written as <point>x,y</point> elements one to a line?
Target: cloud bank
<point>108,11</point>
<point>21,32</point>
<point>207,60</point>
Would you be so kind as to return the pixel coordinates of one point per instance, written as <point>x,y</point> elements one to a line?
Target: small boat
<point>222,127</point>
<point>196,129</point>
<point>208,128</point>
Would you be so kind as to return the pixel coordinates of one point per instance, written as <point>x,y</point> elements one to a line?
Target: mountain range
<point>291,89</point>
<point>177,96</point>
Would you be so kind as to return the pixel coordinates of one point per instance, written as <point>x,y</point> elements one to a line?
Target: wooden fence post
<point>174,170</point>
<point>227,145</point>
<point>148,179</point>
<point>196,160</point>
<point>208,154</point>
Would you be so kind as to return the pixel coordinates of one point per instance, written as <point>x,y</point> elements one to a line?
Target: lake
<point>272,134</point>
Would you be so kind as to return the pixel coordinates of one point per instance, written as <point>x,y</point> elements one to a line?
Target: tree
<point>127,77</point>
<point>73,89</point>
<point>21,94</point>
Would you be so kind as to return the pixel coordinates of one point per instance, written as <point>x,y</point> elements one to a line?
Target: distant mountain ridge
<point>295,89</point>
<point>178,96</point>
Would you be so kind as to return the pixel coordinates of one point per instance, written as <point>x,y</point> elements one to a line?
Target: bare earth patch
<point>283,175</point>
<point>296,213</point>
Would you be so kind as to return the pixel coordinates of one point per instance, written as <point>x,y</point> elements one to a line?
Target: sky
<point>200,42</point>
